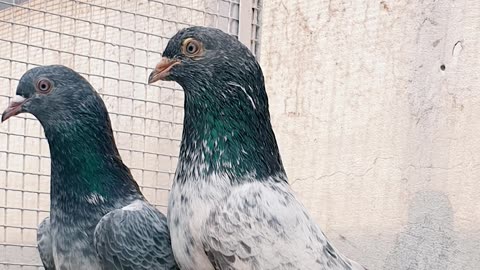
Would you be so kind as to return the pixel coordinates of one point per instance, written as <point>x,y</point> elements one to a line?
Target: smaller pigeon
<point>99,219</point>
<point>231,206</point>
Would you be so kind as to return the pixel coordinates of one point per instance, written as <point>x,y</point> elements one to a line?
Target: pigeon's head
<point>207,59</point>
<point>226,105</point>
<point>51,93</point>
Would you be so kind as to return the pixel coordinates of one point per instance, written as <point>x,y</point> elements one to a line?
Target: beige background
<point>379,142</point>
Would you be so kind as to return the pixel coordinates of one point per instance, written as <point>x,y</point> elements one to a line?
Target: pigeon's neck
<point>231,137</point>
<point>86,162</point>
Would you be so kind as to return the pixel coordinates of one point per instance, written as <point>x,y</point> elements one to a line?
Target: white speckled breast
<point>189,207</point>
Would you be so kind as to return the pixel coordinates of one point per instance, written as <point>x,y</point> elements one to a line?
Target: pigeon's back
<point>134,237</point>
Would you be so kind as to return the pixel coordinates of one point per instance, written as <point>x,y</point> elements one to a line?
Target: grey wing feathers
<point>44,243</point>
<point>260,227</point>
<point>135,237</point>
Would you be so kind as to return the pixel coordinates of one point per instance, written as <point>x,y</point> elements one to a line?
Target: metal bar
<point>24,208</point>
<point>19,264</point>
<point>83,73</point>
<point>24,190</point>
<point>115,131</point>
<point>245,22</point>
<point>119,148</point>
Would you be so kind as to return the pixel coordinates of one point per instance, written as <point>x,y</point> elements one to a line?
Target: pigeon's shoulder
<point>241,231</point>
<point>134,237</point>
<point>44,242</point>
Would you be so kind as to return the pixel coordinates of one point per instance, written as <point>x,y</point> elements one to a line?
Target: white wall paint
<point>379,142</point>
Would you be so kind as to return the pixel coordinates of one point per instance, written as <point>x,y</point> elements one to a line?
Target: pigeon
<point>99,218</point>
<point>230,206</point>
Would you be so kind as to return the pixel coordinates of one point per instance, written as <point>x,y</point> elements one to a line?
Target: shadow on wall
<point>429,241</point>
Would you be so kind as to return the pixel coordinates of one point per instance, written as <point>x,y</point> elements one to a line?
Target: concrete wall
<point>376,109</point>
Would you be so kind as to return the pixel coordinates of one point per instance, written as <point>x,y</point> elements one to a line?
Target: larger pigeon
<point>99,219</point>
<point>231,206</point>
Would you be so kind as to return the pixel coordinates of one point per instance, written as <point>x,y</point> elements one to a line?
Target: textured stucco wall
<point>376,109</point>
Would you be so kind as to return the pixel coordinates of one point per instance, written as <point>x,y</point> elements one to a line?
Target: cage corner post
<point>245,22</point>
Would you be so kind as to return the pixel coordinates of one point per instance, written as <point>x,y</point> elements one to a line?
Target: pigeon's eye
<point>191,47</point>
<point>44,85</point>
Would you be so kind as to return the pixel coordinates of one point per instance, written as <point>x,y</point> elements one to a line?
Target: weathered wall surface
<point>376,108</point>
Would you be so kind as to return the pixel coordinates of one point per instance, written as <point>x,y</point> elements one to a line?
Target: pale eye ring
<point>44,85</point>
<point>192,47</point>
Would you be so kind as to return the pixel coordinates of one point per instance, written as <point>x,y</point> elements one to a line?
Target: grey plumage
<point>230,206</point>
<point>99,219</point>
<point>129,238</point>
<point>132,238</point>
<point>44,242</point>
<point>264,227</point>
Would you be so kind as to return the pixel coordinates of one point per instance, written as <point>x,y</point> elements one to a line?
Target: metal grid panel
<point>256,22</point>
<point>114,44</point>
<point>249,33</point>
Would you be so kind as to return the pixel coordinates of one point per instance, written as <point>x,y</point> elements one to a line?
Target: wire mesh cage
<point>114,44</point>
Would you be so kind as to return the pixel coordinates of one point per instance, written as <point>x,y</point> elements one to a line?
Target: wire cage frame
<point>114,44</point>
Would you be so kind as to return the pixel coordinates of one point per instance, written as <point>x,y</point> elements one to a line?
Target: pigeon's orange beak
<point>14,108</point>
<point>162,70</point>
